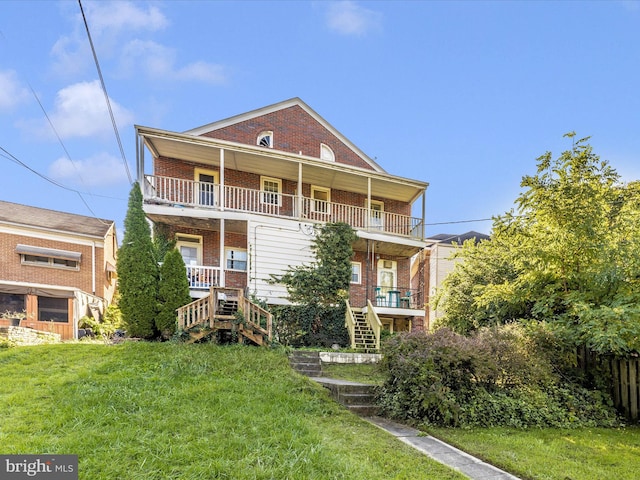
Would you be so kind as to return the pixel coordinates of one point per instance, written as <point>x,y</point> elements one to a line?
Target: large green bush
<point>498,377</point>
<point>310,325</point>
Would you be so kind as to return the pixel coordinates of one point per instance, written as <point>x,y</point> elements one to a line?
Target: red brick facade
<point>294,131</point>
<point>13,270</point>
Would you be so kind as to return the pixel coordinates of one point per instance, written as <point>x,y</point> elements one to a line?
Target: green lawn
<point>354,372</point>
<point>553,454</point>
<point>171,411</point>
<point>549,454</point>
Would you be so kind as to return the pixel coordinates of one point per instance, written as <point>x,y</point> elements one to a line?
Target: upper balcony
<point>378,204</point>
<point>203,195</point>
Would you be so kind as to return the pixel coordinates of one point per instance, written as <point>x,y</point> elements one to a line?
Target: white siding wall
<point>274,246</point>
<point>440,265</point>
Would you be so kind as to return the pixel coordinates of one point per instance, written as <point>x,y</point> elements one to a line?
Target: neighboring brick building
<point>55,267</point>
<point>242,195</point>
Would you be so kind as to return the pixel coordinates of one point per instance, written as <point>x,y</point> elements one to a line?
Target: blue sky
<point>463,95</point>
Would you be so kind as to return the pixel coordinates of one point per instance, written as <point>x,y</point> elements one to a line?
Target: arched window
<point>265,139</point>
<point>326,153</point>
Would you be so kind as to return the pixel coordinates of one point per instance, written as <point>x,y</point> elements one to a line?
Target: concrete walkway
<point>470,466</point>
<point>438,450</point>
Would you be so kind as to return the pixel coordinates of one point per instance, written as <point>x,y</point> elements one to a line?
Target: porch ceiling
<point>391,248</point>
<point>231,226</point>
<point>278,164</point>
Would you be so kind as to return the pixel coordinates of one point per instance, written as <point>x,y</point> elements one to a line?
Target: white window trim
<point>359,265</point>
<point>264,193</point>
<point>216,181</point>
<point>325,203</point>
<point>49,263</point>
<point>376,217</point>
<point>235,249</point>
<point>330,157</point>
<point>195,242</point>
<point>267,133</point>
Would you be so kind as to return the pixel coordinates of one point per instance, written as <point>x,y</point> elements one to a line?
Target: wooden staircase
<point>227,313</point>
<point>364,328</point>
<point>364,337</point>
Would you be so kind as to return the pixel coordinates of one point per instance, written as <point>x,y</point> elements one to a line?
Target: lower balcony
<point>202,277</point>
<point>396,297</point>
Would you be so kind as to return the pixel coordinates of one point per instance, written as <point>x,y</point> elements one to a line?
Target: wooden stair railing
<point>219,311</point>
<point>364,329</point>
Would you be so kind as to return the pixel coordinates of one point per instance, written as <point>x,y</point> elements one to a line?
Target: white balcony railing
<point>202,277</point>
<point>208,195</point>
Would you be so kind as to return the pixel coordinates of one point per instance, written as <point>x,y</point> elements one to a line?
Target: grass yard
<point>550,454</point>
<point>354,372</point>
<point>170,411</point>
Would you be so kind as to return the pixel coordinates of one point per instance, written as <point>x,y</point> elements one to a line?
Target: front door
<point>388,280</point>
<point>206,181</point>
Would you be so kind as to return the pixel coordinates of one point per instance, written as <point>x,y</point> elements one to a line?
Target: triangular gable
<point>282,118</point>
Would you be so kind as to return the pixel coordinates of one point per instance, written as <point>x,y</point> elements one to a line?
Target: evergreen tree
<point>137,271</point>
<point>174,292</point>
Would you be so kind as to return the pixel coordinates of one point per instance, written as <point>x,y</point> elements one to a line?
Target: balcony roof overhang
<point>275,163</point>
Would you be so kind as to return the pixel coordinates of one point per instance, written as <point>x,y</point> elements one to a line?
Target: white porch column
<point>367,223</point>
<point>424,210</point>
<point>223,261</point>
<point>140,162</point>
<point>299,197</point>
<point>221,194</point>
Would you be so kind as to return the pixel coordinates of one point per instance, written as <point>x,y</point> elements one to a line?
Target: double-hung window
<point>271,190</point>
<point>236,259</point>
<point>320,199</point>
<point>356,275</point>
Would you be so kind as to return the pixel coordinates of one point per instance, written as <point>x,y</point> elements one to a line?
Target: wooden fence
<point>625,381</point>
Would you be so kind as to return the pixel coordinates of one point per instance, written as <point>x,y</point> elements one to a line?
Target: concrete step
<point>306,363</point>
<point>357,397</point>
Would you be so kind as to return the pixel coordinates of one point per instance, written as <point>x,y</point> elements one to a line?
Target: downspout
<point>93,267</point>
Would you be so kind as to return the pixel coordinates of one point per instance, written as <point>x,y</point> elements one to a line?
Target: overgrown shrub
<point>111,321</point>
<point>496,377</point>
<point>310,325</point>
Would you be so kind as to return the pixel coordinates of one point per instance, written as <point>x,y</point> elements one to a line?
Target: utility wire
<point>106,96</point>
<point>461,221</point>
<point>57,135</point>
<point>6,154</point>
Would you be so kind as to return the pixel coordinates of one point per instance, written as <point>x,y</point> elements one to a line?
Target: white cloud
<point>81,111</point>
<point>108,23</point>
<point>159,63</point>
<point>100,170</point>
<point>114,16</point>
<point>348,18</point>
<point>12,93</point>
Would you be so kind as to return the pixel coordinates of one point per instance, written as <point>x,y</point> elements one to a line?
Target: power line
<point>14,159</point>
<point>106,96</point>
<point>460,221</point>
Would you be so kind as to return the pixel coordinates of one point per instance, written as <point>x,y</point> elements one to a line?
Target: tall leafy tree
<point>137,271</point>
<point>326,281</point>
<point>569,255</point>
<point>318,291</point>
<point>173,292</point>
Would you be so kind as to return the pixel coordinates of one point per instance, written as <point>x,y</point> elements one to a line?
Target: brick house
<point>432,265</point>
<point>241,197</point>
<point>55,268</point>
